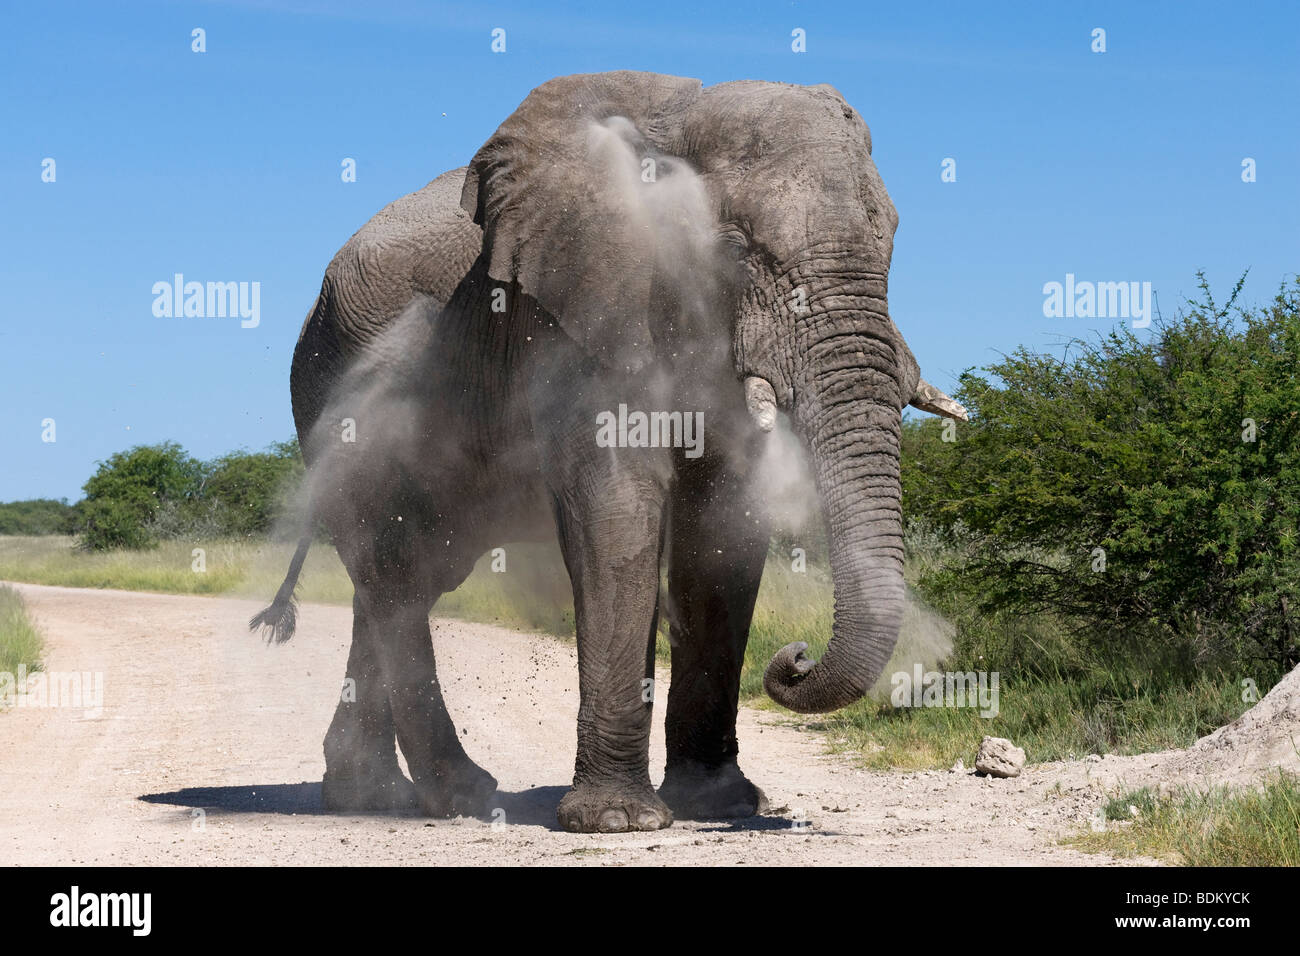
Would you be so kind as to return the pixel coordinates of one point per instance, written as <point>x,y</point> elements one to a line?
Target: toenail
<point>613,821</point>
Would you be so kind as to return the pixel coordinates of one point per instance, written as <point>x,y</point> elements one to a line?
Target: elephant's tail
<point>282,616</point>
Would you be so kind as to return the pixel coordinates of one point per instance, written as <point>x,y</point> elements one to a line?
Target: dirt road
<point>208,751</point>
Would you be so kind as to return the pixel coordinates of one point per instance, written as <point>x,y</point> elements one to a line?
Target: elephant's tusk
<point>761,401</point>
<point>930,399</point>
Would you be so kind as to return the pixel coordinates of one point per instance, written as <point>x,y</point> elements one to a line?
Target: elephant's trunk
<point>852,422</point>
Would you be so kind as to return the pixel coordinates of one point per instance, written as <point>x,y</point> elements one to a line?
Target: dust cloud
<point>664,210</point>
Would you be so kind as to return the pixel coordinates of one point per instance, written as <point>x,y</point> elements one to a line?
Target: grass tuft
<point>1216,827</point>
<point>20,641</point>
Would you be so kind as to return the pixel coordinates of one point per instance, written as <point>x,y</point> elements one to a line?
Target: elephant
<point>589,332</point>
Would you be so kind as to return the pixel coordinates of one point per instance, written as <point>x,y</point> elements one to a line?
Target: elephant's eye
<point>735,240</point>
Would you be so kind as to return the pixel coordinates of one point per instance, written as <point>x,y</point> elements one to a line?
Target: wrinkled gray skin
<point>476,428</point>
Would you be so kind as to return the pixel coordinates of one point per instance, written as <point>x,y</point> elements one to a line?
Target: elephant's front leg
<point>609,523</point>
<point>716,550</point>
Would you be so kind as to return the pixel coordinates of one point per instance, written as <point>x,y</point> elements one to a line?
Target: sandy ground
<point>208,751</point>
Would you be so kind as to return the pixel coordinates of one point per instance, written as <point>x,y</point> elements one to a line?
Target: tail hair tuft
<point>278,620</point>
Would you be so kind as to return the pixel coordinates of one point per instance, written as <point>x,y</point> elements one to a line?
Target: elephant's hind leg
<point>448,783</point>
<point>361,770</point>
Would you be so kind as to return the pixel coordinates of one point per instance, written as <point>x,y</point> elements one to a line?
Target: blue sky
<point>225,165</point>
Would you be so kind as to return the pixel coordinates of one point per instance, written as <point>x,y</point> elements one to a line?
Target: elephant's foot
<point>612,808</point>
<point>458,789</point>
<point>697,792</point>
<point>343,791</point>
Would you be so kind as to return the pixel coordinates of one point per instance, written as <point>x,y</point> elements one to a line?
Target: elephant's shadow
<point>535,806</point>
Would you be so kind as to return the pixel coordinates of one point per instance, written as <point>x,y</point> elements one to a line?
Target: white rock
<point>999,757</point>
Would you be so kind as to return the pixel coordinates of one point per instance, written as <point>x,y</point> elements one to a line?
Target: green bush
<point>151,492</point>
<point>36,516</point>
<point>126,492</point>
<point>108,523</point>
<point>252,486</point>
<point>1135,489</point>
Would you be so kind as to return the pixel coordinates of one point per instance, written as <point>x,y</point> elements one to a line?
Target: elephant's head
<point>772,191</point>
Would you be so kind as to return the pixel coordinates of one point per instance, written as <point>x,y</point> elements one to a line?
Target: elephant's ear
<point>559,190</point>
